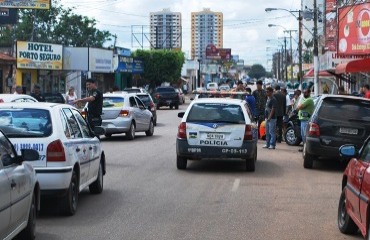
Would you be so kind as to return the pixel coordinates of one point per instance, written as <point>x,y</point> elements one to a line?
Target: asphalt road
<point>146,197</point>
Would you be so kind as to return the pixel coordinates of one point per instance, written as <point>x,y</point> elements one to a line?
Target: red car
<point>354,203</point>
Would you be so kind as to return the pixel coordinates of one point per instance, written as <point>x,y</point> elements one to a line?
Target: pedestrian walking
<point>270,121</point>
<point>260,96</point>
<point>305,108</point>
<point>279,112</point>
<point>95,104</point>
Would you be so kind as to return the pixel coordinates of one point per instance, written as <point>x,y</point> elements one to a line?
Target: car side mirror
<point>191,99</point>
<point>348,151</point>
<point>181,114</point>
<point>29,155</point>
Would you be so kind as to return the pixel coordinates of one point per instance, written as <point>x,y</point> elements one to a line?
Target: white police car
<point>217,128</point>
<point>20,192</point>
<point>71,156</point>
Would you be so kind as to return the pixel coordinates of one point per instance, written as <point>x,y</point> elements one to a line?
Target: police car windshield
<point>25,122</point>
<point>216,112</point>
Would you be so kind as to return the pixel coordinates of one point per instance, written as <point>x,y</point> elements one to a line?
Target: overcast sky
<point>245,22</point>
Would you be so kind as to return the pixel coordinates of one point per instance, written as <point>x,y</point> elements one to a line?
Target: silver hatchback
<point>126,113</point>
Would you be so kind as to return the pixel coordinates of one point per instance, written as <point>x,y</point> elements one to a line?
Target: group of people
<point>273,105</point>
<point>94,99</point>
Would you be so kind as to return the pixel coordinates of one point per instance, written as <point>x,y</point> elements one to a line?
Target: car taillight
<point>314,130</point>
<point>152,106</point>
<point>124,113</point>
<point>55,152</point>
<point>83,113</point>
<point>182,131</point>
<point>248,135</point>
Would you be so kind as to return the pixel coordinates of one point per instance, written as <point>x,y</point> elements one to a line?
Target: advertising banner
<point>76,58</point>
<point>32,4</point>
<point>100,60</point>
<point>331,25</point>
<point>214,53</point>
<point>34,55</point>
<point>354,30</point>
<point>130,65</point>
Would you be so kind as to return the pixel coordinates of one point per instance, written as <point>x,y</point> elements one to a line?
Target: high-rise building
<point>165,30</point>
<point>206,28</point>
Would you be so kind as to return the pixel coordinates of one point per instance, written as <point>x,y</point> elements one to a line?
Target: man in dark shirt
<point>95,104</point>
<point>37,93</point>
<point>260,95</point>
<point>270,121</point>
<point>280,112</point>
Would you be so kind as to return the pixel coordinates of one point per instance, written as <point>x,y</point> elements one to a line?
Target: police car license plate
<point>351,131</point>
<point>217,136</point>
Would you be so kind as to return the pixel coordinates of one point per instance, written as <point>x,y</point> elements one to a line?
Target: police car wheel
<point>181,162</point>
<point>71,199</point>
<point>97,186</point>
<point>250,163</point>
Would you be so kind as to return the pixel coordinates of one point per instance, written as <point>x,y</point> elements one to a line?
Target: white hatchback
<point>71,156</point>
<point>20,192</point>
<point>217,128</point>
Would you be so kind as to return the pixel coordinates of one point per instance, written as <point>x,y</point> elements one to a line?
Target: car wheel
<point>29,231</point>
<point>345,222</point>
<point>70,201</point>
<point>97,186</point>
<point>307,158</point>
<point>108,135</point>
<point>150,131</point>
<point>291,137</point>
<point>250,163</point>
<point>181,163</point>
<point>131,132</point>
<point>177,106</point>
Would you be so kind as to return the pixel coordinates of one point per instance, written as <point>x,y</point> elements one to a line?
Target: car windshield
<point>145,99</point>
<point>348,109</point>
<point>109,102</point>
<point>216,112</point>
<point>20,123</point>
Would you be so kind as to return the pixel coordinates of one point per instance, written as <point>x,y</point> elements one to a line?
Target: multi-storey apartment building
<point>206,28</point>
<point>165,30</point>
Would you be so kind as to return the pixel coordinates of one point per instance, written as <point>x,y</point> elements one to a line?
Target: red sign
<point>330,26</point>
<point>354,30</point>
<point>212,52</point>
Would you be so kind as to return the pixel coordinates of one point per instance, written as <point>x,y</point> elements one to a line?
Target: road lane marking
<point>235,185</point>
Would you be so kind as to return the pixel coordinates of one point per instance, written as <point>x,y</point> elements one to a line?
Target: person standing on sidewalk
<point>280,112</point>
<point>270,121</point>
<point>260,95</point>
<point>305,108</point>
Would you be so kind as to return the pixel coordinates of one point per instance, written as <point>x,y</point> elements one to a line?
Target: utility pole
<point>286,60</point>
<point>315,50</point>
<point>300,71</point>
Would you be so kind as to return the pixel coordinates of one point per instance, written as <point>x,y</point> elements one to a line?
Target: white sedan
<point>20,192</point>
<point>16,98</point>
<point>217,128</point>
<point>71,156</point>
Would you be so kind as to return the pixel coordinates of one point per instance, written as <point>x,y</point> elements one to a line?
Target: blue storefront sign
<point>130,65</point>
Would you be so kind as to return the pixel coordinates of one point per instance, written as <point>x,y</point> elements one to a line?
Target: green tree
<point>57,25</point>
<point>257,71</point>
<point>161,66</point>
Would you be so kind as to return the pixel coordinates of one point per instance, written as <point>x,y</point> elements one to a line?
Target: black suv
<point>336,120</point>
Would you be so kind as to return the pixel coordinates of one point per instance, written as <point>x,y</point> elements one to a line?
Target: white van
<point>212,86</point>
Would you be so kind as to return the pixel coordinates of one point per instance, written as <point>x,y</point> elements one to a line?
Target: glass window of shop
<point>51,81</point>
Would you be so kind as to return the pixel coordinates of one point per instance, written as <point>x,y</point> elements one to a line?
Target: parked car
<point>54,97</point>
<point>181,95</point>
<point>353,209</point>
<point>20,191</point>
<point>71,156</point>
<point>126,113</point>
<point>336,120</point>
<point>217,128</point>
<point>6,97</point>
<point>149,103</point>
<point>135,90</point>
<point>167,96</point>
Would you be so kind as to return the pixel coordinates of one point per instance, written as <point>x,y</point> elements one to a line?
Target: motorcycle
<point>292,133</point>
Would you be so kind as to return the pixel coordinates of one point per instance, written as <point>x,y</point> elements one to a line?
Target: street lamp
<point>291,49</point>
<point>299,18</point>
